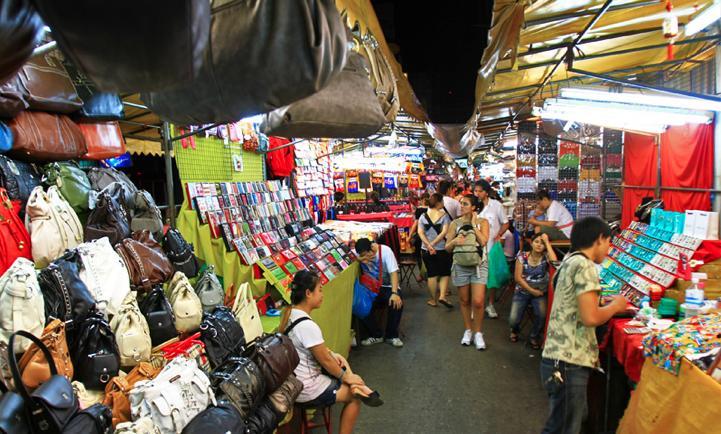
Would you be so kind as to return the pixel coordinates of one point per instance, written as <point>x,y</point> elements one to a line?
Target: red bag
<point>14,238</point>
<point>374,285</point>
<point>103,140</point>
<point>281,162</point>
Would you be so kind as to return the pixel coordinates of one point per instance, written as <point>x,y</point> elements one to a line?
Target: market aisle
<point>435,385</point>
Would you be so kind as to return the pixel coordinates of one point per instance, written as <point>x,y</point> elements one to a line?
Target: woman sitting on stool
<point>326,376</point>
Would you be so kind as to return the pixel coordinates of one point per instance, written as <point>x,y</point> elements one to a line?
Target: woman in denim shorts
<point>470,280</point>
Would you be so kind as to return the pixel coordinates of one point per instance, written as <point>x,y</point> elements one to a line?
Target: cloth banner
<point>639,169</point>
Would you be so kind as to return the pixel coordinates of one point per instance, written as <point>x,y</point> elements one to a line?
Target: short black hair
<point>363,245</point>
<point>543,194</point>
<point>586,231</point>
<point>444,186</point>
<point>338,196</point>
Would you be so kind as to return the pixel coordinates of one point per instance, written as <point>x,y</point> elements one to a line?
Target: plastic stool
<point>307,425</point>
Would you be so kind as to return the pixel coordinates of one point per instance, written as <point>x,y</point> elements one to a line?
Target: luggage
<point>40,136</point>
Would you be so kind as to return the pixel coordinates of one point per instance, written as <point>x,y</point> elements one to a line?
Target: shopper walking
<point>338,383</point>
<point>531,274</point>
<point>370,256</point>
<point>492,211</point>
<point>452,206</point>
<point>415,238</point>
<point>571,350</point>
<point>558,221</point>
<point>432,229</point>
<point>467,236</point>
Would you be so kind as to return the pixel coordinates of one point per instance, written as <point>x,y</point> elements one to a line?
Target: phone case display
<point>548,165</point>
<point>526,161</point>
<point>589,185</point>
<point>568,173</point>
<point>612,172</point>
<point>313,176</point>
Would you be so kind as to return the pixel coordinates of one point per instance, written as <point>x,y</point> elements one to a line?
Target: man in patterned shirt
<point>571,350</point>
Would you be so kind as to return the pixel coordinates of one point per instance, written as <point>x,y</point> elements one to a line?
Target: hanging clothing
<point>281,163</point>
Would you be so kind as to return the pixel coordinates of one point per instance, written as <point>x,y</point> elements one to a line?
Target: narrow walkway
<point>435,385</point>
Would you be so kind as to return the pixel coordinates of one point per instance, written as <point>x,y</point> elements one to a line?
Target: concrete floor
<point>435,385</point>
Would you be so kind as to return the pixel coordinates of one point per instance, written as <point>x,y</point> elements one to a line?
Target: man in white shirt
<point>452,206</point>
<point>559,221</point>
<point>492,211</point>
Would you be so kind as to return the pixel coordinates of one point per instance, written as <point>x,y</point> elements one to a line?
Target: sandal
<point>431,304</point>
<point>371,400</point>
<point>513,337</point>
<point>445,303</point>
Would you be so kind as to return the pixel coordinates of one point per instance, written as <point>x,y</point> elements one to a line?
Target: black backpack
<point>180,253</point>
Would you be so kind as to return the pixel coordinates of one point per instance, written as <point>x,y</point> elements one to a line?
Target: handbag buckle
<point>104,378</point>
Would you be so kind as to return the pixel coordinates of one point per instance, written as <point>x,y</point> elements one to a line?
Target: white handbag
<point>22,306</point>
<point>131,333</point>
<point>246,313</point>
<point>174,397</point>
<point>52,224</point>
<point>143,425</point>
<point>105,275</point>
<point>185,303</point>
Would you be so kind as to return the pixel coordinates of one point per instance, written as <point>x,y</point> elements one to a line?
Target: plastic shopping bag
<point>363,299</point>
<point>498,272</point>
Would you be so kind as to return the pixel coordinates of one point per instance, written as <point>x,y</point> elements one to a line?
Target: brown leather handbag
<point>147,264</point>
<point>35,369</point>
<point>277,358</point>
<point>47,86</point>
<point>45,136</point>
<point>117,391</point>
<point>103,139</point>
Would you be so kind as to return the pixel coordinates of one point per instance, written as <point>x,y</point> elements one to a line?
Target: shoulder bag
<point>19,179</point>
<point>14,238</point>
<point>211,418</point>
<point>101,177</point>
<point>242,382</point>
<point>246,313</point>
<point>107,220</point>
<point>20,30</point>
<point>374,284</point>
<point>159,314</point>
<point>180,253</point>
<point>132,333</point>
<point>118,191</point>
<point>96,419</point>
<point>103,140</point>
<point>40,136</point>
<point>72,183</point>
<point>144,258</point>
<point>21,302</point>
<point>66,296</point>
<point>95,354</point>
<point>34,366</point>
<point>117,391</point>
<point>264,420</point>
<point>46,86</point>
<point>222,335</point>
<point>105,275</point>
<point>209,290</point>
<point>147,215</point>
<point>284,397</point>
<point>382,77</point>
<point>277,358</point>
<point>185,303</point>
<point>13,414</point>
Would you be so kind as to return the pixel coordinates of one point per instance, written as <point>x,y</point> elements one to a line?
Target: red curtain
<point>687,161</point>
<point>640,168</point>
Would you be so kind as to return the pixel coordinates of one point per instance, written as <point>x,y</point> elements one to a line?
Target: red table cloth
<point>626,348</point>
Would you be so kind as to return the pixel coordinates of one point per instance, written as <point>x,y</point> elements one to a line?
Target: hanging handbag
<point>209,290</point>
<point>147,264</point>
<point>40,136</point>
<point>47,86</point>
<point>66,296</point>
<point>13,414</point>
<point>347,107</point>
<point>97,106</point>
<point>51,405</point>
<point>107,219</point>
<point>14,238</point>
<point>95,354</point>
<point>20,31</point>
<point>174,397</point>
<point>117,391</point>
<point>105,275</point>
<point>101,177</point>
<point>19,179</point>
<point>147,215</point>
<point>246,313</point>
<point>243,74</point>
<point>21,302</point>
<point>264,420</point>
<point>72,182</point>
<point>223,415</point>
<point>382,77</point>
<point>95,419</point>
<point>284,397</point>
<point>277,358</point>
<point>159,314</point>
<point>242,383</point>
<point>52,224</point>
<point>35,367</point>
<point>131,332</point>
<point>180,253</point>
<point>185,303</point>
<point>222,335</point>
<point>103,140</point>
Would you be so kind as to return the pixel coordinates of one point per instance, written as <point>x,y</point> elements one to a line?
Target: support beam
<point>140,124</point>
<point>137,137</point>
<point>167,156</point>
<point>584,13</point>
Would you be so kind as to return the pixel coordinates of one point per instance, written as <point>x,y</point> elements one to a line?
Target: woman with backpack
<point>465,240</point>
<point>432,229</point>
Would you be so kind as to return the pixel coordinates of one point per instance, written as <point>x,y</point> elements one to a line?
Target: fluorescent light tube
<point>640,98</point>
<point>703,19</point>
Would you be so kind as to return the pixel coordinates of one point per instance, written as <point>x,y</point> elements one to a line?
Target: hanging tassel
<point>669,51</point>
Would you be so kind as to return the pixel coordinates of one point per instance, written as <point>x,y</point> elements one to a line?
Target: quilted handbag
<point>107,219</point>
<point>174,397</point>
<point>72,182</point>
<point>277,358</point>
<point>264,420</point>
<point>6,137</point>
<point>243,74</point>
<point>14,238</point>
<point>165,47</point>
<point>222,335</point>
<point>347,107</point>
<point>96,419</point>
<point>41,136</point>
<point>242,383</point>
<point>185,303</point>
<point>103,140</point>
<point>105,275</point>
<point>117,391</point>
<point>131,332</point>
<point>207,421</point>
<point>47,86</point>
<point>159,314</point>
<point>180,253</point>
<point>96,358</point>
<point>21,302</point>
<point>19,179</point>
<point>284,398</point>
<point>147,215</point>
<point>246,313</point>
<point>20,30</point>
<point>34,366</point>
<point>147,264</point>
<point>209,290</point>
<point>101,177</point>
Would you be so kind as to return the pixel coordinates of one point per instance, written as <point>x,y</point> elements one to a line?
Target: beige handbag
<point>382,77</point>
<point>246,313</point>
<point>52,224</point>
<point>185,303</point>
<point>22,306</point>
<point>105,275</point>
<point>131,332</point>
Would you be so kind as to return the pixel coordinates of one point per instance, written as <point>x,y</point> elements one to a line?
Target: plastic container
<point>695,293</point>
<point>667,307</point>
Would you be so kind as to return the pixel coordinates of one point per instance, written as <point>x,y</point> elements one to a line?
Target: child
<point>531,273</point>
<point>571,350</point>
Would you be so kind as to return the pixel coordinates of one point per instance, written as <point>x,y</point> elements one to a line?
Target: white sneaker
<point>479,342</point>
<point>491,311</point>
<point>396,342</point>
<point>467,335</point>
<point>371,341</point>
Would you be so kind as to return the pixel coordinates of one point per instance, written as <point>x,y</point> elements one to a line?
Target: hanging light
<point>632,112</point>
<point>704,18</point>
<point>641,98</point>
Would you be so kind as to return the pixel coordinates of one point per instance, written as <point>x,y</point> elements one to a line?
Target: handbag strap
<point>295,323</point>
<point>17,378</point>
<point>242,293</point>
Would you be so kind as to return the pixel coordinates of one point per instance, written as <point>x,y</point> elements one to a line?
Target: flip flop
<point>445,303</point>
<point>372,400</point>
<point>431,304</point>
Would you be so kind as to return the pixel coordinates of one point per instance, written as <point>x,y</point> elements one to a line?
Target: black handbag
<point>242,383</point>
<point>96,358</point>
<point>96,419</point>
<point>19,179</point>
<point>208,420</point>
<point>20,30</point>
<point>53,404</point>
<point>108,219</point>
<point>159,314</point>
<point>13,414</point>
<point>118,191</point>
<point>97,106</point>
<point>264,420</point>
<point>66,296</point>
<point>180,253</point>
<point>222,335</point>
<point>101,177</point>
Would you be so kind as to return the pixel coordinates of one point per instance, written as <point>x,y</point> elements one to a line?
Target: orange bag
<point>103,139</point>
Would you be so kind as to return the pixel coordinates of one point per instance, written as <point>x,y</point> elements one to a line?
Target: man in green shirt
<point>571,350</point>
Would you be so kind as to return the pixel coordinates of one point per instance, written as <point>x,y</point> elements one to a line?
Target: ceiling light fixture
<point>704,18</point>
<point>641,98</point>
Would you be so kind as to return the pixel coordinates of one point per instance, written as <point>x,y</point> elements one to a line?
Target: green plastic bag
<point>498,272</point>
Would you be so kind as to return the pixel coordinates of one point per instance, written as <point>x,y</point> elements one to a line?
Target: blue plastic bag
<point>498,272</point>
<point>363,299</point>
<point>6,138</point>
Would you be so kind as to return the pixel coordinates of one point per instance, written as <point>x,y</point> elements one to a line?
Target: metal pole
<point>716,204</point>
<point>170,192</point>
